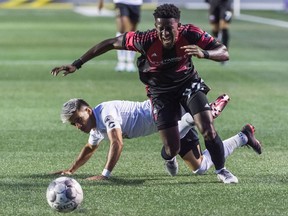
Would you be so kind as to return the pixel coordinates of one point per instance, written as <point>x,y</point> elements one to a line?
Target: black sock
<point>216,150</point>
<point>225,37</point>
<point>164,155</point>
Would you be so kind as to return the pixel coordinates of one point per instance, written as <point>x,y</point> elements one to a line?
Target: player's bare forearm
<point>219,53</point>
<point>98,49</point>
<point>115,150</point>
<point>83,157</point>
<point>97,178</point>
<point>113,155</point>
<point>85,154</point>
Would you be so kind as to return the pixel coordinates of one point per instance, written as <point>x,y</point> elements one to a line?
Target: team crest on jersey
<point>109,121</point>
<point>154,55</point>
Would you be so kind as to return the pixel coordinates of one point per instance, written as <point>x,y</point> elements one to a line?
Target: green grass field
<point>34,142</point>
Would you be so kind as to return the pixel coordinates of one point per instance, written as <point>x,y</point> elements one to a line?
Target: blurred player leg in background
<point>220,16</point>
<point>127,18</point>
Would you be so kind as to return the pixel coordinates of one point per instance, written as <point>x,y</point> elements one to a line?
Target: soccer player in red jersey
<point>166,68</point>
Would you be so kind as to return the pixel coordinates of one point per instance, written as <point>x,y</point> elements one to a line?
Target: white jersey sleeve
<point>106,119</point>
<point>95,137</point>
<point>133,118</point>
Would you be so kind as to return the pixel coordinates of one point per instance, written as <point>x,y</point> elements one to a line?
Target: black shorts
<point>190,142</point>
<point>167,106</point>
<point>220,9</point>
<point>131,11</point>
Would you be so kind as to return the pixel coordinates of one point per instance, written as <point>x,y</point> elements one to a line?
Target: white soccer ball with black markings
<point>64,194</point>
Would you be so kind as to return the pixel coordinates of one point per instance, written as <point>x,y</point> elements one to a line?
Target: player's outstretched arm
<point>116,146</point>
<point>98,49</point>
<point>85,154</point>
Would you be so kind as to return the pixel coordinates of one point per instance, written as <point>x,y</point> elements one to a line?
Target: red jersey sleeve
<point>129,39</point>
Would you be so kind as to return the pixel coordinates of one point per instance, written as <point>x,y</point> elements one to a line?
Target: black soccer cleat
<point>255,144</point>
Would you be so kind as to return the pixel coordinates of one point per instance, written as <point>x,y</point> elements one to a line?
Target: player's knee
<point>209,133</point>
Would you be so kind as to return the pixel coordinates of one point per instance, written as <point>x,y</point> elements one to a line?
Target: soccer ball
<point>64,194</point>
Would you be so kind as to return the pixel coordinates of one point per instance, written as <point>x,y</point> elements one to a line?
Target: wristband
<point>106,173</point>
<point>78,63</point>
<point>206,54</point>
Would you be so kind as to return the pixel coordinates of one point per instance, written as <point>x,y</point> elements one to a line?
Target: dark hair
<point>167,11</point>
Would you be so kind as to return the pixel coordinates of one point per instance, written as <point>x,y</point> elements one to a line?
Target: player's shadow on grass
<point>125,180</point>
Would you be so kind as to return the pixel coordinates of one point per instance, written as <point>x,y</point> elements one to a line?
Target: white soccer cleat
<point>226,177</point>
<point>171,166</point>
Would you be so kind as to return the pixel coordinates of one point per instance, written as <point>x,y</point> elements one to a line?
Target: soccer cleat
<point>255,144</point>
<point>227,177</point>
<point>130,67</point>
<point>219,104</point>
<point>171,166</point>
<point>120,67</point>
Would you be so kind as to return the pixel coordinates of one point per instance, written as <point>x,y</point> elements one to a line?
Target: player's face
<point>83,119</point>
<point>167,30</point>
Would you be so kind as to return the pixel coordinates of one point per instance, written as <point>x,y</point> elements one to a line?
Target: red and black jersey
<point>166,69</point>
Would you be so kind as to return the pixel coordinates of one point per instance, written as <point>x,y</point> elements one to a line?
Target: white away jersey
<point>134,119</point>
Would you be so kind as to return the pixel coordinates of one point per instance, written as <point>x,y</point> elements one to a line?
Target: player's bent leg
<point>230,144</point>
<point>171,142</point>
<point>205,163</point>
<point>190,150</point>
<point>212,140</point>
<point>249,131</point>
<point>217,106</point>
<point>191,161</point>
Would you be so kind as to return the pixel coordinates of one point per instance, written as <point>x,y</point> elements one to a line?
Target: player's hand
<point>62,172</point>
<point>66,68</point>
<point>193,50</point>
<point>97,178</point>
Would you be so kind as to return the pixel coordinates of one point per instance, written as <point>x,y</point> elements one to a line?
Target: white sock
<point>185,124</point>
<point>234,142</point>
<point>130,55</point>
<point>206,163</point>
<point>229,145</point>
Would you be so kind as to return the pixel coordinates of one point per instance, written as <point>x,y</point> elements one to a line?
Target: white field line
<point>262,20</point>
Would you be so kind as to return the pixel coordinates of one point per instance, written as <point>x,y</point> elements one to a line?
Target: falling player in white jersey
<point>115,120</point>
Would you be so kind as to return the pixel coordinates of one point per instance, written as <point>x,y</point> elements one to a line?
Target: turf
<point>34,142</point>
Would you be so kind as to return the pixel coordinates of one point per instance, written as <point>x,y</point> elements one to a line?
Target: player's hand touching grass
<point>62,172</point>
<point>67,69</point>
<point>97,178</point>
